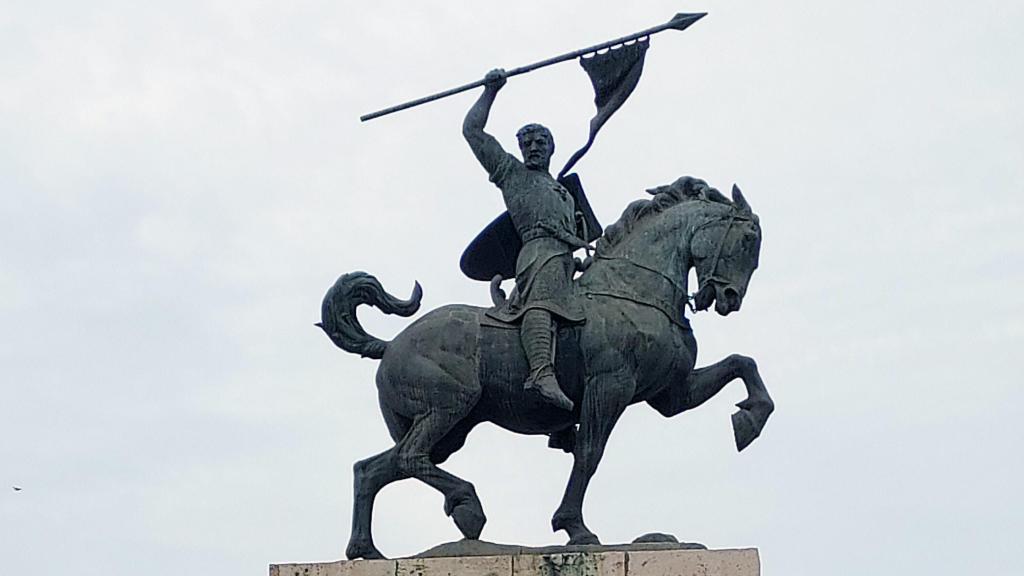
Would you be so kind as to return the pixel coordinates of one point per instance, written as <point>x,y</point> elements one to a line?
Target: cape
<point>494,250</point>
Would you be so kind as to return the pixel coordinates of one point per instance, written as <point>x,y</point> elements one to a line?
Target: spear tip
<point>682,21</point>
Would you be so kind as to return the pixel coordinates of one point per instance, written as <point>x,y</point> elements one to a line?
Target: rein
<point>667,308</point>
<point>667,278</point>
<point>718,253</point>
<point>688,299</point>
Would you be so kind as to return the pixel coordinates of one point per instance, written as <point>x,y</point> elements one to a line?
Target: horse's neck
<point>653,258</point>
<point>661,242</point>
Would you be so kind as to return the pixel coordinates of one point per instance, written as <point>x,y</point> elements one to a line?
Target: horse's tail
<point>338,313</point>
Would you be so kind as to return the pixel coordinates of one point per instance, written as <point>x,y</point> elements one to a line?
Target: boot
<point>544,383</point>
<point>537,339</point>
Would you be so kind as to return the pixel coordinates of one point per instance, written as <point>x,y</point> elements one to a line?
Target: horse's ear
<point>739,200</point>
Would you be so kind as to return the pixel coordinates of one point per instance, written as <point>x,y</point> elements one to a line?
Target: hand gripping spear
<point>679,22</point>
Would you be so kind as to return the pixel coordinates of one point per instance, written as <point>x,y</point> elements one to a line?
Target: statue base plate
<point>654,559</point>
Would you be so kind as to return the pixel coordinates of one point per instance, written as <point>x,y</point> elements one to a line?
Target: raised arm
<point>484,146</point>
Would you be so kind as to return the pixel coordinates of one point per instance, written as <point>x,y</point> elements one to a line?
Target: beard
<point>537,162</point>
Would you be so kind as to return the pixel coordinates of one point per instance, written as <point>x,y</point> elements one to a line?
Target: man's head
<point>537,145</point>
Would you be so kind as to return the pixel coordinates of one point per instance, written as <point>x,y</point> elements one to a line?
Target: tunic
<point>542,211</point>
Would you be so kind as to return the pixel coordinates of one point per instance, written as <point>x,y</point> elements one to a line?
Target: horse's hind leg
<point>453,441</point>
<point>414,459</point>
<point>370,476</point>
<point>410,458</point>
<point>704,383</point>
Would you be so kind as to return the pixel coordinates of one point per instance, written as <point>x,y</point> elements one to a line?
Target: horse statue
<point>455,367</point>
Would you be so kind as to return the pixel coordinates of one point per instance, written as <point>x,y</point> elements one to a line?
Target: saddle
<point>569,367</point>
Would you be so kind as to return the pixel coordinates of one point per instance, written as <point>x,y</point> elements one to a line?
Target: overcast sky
<point>182,182</point>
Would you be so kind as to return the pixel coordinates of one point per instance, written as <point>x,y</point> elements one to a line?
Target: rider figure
<point>542,211</point>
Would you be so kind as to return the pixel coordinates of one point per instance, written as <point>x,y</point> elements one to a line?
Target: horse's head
<point>725,251</point>
<point>649,251</point>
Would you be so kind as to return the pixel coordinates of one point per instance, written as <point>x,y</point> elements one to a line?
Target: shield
<point>592,230</point>
<point>494,251</point>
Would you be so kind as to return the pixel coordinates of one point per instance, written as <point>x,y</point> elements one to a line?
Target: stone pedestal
<point>649,562</point>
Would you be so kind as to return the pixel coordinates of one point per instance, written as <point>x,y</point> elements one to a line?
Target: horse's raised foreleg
<point>604,399</point>
<point>704,383</point>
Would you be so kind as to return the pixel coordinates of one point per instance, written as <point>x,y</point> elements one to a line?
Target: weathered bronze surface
<point>577,341</point>
<point>543,213</point>
<point>456,366</point>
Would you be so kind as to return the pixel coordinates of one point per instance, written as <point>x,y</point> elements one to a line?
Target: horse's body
<point>454,367</point>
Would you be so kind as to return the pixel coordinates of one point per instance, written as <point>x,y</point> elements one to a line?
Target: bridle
<point>718,247</point>
<point>711,277</point>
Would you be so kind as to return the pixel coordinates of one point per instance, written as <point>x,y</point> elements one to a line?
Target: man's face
<point>536,149</point>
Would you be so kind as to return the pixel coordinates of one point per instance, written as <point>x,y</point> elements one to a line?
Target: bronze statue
<point>576,342</point>
<point>456,366</point>
<point>543,213</point>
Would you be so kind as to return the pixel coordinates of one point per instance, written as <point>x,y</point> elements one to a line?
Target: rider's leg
<point>536,334</point>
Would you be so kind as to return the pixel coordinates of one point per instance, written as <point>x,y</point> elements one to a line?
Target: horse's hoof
<point>573,525</point>
<point>745,428</point>
<point>469,519</point>
<point>584,539</point>
<point>366,551</point>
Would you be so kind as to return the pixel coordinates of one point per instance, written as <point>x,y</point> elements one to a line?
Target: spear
<point>679,22</point>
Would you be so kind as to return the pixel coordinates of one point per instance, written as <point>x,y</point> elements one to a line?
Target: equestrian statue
<point>577,340</point>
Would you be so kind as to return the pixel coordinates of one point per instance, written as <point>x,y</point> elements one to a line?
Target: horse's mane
<point>682,190</point>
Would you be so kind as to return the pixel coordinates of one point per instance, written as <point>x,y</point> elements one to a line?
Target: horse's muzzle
<point>727,301</point>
